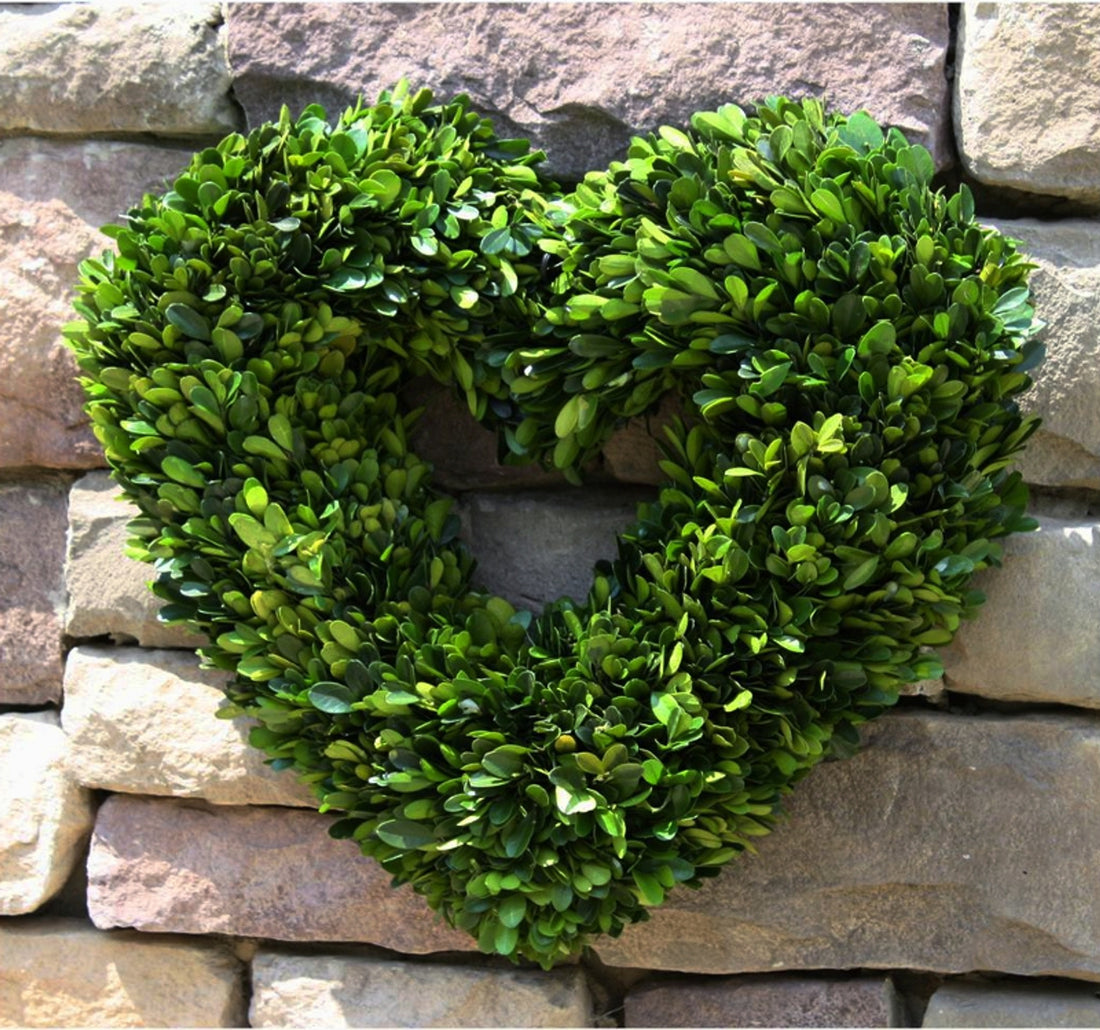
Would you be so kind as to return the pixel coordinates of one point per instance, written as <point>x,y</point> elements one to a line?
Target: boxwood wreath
<point>846,342</point>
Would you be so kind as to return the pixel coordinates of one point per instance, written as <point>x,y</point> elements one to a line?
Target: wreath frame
<point>847,344</point>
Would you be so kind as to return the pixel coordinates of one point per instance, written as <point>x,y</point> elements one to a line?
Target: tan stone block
<point>108,593</point>
<point>580,79</point>
<point>747,1001</point>
<point>1024,99</point>
<point>45,818</point>
<point>171,866</point>
<point>32,547</point>
<point>949,843</point>
<point>115,68</point>
<point>343,991</point>
<point>143,722</point>
<point>965,1004</point>
<point>63,972</point>
<point>1035,638</point>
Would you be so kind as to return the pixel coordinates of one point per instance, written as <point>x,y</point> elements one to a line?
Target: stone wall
<point>154,872</point>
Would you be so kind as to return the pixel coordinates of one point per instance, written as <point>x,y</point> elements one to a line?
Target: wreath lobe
<point>847,345</point>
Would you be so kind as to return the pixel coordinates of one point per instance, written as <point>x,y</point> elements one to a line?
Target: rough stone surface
<point>32,548</point>
<point>62,69</point>
<point>62,972</point>
<point>580,79</point>
<point>339,991</point>
<point>1013,1004</point>
<point>98,180</point>
<point>1066,287</point>
<point>463,451</point>
<point>108,593</point>
<point>41,417</point>
<point>537,546</point>
<point>54,195</point>
<point>631,454</point>
<point>45,817</point>
<point>173,866</point>
<point>1024,111</point>
<point>948,843</point>
<point>142,722</point>
<point>1035,639</point>
<point>763,1001</point>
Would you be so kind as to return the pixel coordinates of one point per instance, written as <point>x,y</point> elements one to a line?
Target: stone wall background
<point>154,872</point>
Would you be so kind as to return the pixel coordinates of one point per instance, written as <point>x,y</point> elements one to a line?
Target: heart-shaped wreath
<point>846,344</point>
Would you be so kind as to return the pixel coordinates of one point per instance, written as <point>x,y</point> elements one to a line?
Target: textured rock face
<point>41,421</point>
<point>464,452</point>
<point>314,990</point>
<point>53,197</point>
<point>1024,111</point>
<point>947,844</point>
<point>98,180</point>
<point>771,1001</point>
<point>1066,287</point>
<point>32,542</point>
<point>971,1004</point>
<point>142,722</point>
<point>175,866</point>
<point>1035,638</point>
<point>62,69</point>
<point>107,592</point>
<point>57,972</point>
<point>536,547</point>
<point>580,79</point>
<point>45,817</point>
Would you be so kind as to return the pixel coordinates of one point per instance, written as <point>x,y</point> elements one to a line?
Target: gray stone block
<point>536,546</point>
<point>765,1001</point>
<point>1035,639</point>
<point>1013,1004</point>
<point>947,844</point>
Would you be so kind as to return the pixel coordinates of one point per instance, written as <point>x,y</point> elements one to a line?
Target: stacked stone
<point>154,872</point>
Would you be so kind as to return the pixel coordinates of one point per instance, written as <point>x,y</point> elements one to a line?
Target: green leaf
<point>881,338</point>
<point>188,321</point>
<point>183,472</point>
<point>405,834</point>
<point>829,204</point>
<point>862,133</point>
<point>505,761</point>
<point>331,698</point>
<point>512,910</point>
<point>861,573</point>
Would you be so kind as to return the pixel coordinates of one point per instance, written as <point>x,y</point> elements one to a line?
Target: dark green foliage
<point>849,345</point>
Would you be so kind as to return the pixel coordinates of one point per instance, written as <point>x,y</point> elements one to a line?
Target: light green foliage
<point>847,342</point>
